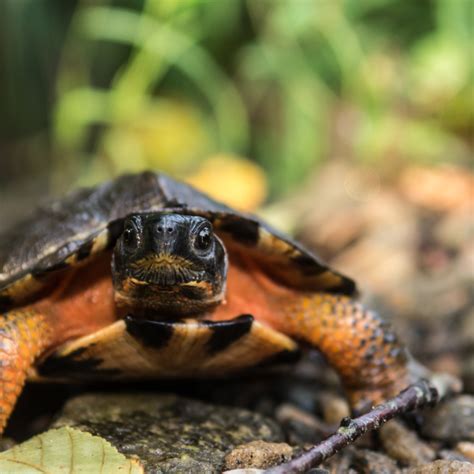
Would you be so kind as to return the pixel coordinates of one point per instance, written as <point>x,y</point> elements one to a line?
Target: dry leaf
<point>66,451</point>
<point>236,181</point>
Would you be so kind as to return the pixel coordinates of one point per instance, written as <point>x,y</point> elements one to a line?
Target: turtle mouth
<point>165,299</point>
<point>164,272</point>
<point>164,284</point>
<point>167,285</point>
<point>165,280</point>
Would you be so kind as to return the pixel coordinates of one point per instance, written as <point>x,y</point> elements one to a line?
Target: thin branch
<point>418,395</point>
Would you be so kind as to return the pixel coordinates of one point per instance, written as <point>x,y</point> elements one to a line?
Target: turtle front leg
<point>359,345</point>
<point>24,335</point>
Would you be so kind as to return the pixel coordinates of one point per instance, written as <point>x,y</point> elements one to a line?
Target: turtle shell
<point>72,230</point>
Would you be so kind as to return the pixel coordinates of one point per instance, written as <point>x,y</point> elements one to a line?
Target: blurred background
<point>260,93</point>
<point>346,123</point>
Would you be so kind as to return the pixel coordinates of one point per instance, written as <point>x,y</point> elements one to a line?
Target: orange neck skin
<point>82,303</point>
<point>250,291</point>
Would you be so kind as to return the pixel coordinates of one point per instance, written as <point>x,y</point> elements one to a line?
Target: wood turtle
<point>145,277</point>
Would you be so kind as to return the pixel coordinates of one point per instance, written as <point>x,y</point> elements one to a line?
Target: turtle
<point>145,277</point>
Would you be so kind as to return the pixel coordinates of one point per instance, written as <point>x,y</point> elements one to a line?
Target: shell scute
<point>70,230</point>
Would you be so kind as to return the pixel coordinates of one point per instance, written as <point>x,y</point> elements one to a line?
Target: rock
<point>451,455</point>
<point>168,433</point>
<point>368,462</point>
<point>258,454</point>
<point>451,421</point>
<point>442,467</point>
<point>334,408</point>
<point>404,445</point>
<point>300,426</point>
<point>468,373</point>
<point>244,471</point>
<point>421,186</point>
<point>466,449</point>
<point>6,443</point>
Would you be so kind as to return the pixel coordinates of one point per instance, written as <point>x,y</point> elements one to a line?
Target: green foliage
<point>287,83</point>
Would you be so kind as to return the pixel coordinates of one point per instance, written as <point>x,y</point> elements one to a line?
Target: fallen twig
<point>418,395</point>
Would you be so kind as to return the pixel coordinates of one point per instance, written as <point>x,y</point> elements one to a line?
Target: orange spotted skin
<point>24,335</point>
<point>82,304</point>
<point>356,342</point>
<point>362,348</point>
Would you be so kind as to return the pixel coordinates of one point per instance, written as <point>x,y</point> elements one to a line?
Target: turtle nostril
<point>166,227</point>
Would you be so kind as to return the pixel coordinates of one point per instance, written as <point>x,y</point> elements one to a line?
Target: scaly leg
<point>24,335</point>
<point>361,347</point>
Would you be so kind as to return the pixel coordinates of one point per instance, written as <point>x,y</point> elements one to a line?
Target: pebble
<point>403,445</point>
<point>367,462</point>
<point>451,421</point>
<point>244,471</point>
<point>6,443</point>
<point>442,467</point>
<point>468,373</point>
<point>258,454</point>
<point>466,448</point>
<point>334,408</point>
<point>300,426</point>
<point>452,455</point>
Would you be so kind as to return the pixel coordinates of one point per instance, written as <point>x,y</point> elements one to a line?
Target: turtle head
<point>169,264</point>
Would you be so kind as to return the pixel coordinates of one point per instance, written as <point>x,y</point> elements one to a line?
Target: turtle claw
<point>363,400</point>
<point>445,384</point>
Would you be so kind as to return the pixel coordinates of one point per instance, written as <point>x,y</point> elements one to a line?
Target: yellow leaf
<point>66,451</point>
<point>236,181</point>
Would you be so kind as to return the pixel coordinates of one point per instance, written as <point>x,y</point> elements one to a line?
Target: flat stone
<point>451,421</point>
<point>168,433</point>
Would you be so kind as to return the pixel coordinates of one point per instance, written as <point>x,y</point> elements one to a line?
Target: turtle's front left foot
<point>373,364</point>
<point>362,400</point>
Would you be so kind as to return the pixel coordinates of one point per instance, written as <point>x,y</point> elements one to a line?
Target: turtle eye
<point>203,239</point>
<point>130,237</point>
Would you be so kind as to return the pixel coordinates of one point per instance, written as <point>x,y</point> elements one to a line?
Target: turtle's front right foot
<point>24,334</point>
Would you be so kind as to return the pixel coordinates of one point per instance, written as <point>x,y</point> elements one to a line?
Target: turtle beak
<point>165,270</point>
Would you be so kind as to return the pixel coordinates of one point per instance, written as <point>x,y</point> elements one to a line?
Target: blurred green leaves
<point>157,47</point>
<point>168,83</point>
